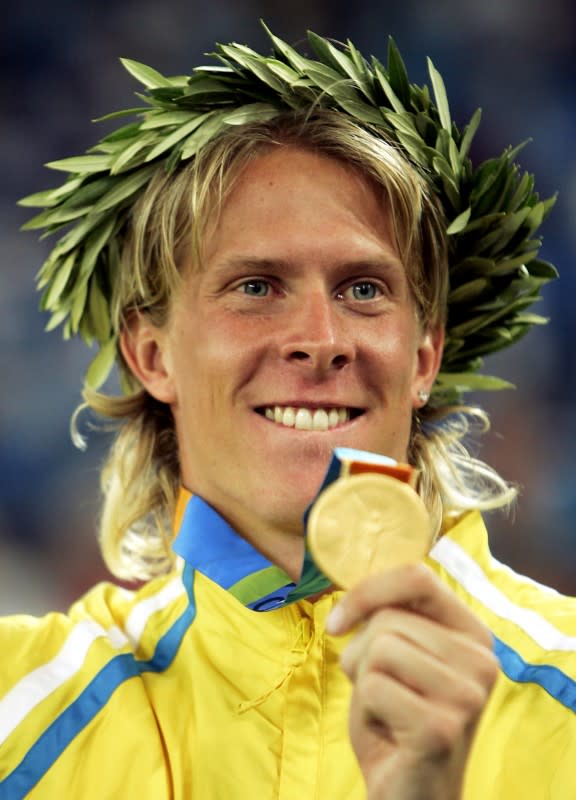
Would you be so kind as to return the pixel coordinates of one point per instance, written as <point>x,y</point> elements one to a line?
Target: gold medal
<point>367,523</point>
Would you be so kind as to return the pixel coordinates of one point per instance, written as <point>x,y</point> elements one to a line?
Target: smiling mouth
<point>309,419</point>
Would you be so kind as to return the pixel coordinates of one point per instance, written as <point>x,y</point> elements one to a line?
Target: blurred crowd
<point>60,69</point>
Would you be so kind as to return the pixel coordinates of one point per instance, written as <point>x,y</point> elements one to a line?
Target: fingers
<point>394,631</point>
<point>393,712</point>
<point>458,673</point>
<point>413,586</point>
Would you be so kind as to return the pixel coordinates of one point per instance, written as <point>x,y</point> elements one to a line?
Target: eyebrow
<point>388,261</point>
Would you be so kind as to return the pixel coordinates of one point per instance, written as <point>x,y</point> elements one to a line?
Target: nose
<point>316,335</point>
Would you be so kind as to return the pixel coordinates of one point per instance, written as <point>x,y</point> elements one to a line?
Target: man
<point>273,277</point>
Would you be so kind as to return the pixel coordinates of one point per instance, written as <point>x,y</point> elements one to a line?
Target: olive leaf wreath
<point>492,208</point>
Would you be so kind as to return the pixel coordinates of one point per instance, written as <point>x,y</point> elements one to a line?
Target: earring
<point>423,396</point>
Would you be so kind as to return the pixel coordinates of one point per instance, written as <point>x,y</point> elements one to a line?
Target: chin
<point>286,506</point>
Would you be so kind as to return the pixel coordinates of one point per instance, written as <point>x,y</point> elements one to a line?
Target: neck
<point>282,547</point>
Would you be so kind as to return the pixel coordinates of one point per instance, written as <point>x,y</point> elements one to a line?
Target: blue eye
<point>365,290</point>
<point>255,288</point>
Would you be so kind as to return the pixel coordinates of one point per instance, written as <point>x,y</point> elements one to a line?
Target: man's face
<point>300,335</point>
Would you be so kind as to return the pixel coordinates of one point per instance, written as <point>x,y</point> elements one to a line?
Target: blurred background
<point>59,69</point>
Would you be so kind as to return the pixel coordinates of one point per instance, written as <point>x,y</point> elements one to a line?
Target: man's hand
<point>422,668</point>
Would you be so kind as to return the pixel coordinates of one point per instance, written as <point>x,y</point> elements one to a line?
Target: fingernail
<point>335,620</point>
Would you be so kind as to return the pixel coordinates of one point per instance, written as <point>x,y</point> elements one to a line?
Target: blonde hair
<point>141,478</point>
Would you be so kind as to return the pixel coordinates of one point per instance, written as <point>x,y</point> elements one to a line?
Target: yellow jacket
<point>183,690</point>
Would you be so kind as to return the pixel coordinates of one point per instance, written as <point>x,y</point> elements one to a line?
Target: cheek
<point>393,357</point>
<point>214,358</point>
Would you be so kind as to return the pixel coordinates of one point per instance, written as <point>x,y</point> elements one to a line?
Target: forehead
<point>289,198</point>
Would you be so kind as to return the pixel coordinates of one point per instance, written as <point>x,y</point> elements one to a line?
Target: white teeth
<point>306,419</point>
<point>303,420</point>
<point>289,417</point>
<point>333,418</point>
<point>320,420</point>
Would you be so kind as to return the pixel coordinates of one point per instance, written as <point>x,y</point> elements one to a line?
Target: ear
<point>145,350</point>
<point>429,358</point>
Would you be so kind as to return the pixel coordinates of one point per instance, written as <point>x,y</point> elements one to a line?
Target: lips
<point>305,418</point>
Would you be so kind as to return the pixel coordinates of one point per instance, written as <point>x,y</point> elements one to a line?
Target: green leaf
<point>454,157</point>
<point>291,56</point>
<point>395,102</point>
<point>144,74</point>
<point>468,291</point>
<point>541,269</point>
<point>530,319</point>
<point>256,65</point>
<point>94,244</point>
<point>52,295</point>
<point>163,98</point>
<point>469,133</point>
<point>54,217</point>
<point>327,54</point>
<point>442,168</point>
<point>283,71</point>
<point>511,265</point>
<point>331,82</point>
<point>495,241</point>
<point>487,222</point>
<point>367,79</point>
<point>213,123</point>
<point>457,225</point>
<point>82,164</point>
<point>99,312</point>
<point>164,119</point>
<point>362,111</point>
<point>440,96</point>
<point>204,86</point>
<point>57,318</point>
<point>123,133</point>
<point>176,136</point>
<point>467,382</point>
<point>78,305</point>
<point>413,147</point>
<point>524,188</point>
<point>51,197</point>
<point>91,190</point>
<point>124,188</point>
<point>480,320</point>
<point>124,112</point>
<point>101,365</point>
<point>397,75</point>
<point>128,157</point>
<point>338,60</point>
<point>403,122</point>
<point>73,238</point>
<point>251,112</point>
<point>85,330</point>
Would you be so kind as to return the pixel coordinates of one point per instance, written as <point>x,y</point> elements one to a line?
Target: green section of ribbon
<point>258,585</point>
<point>311,582</point>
